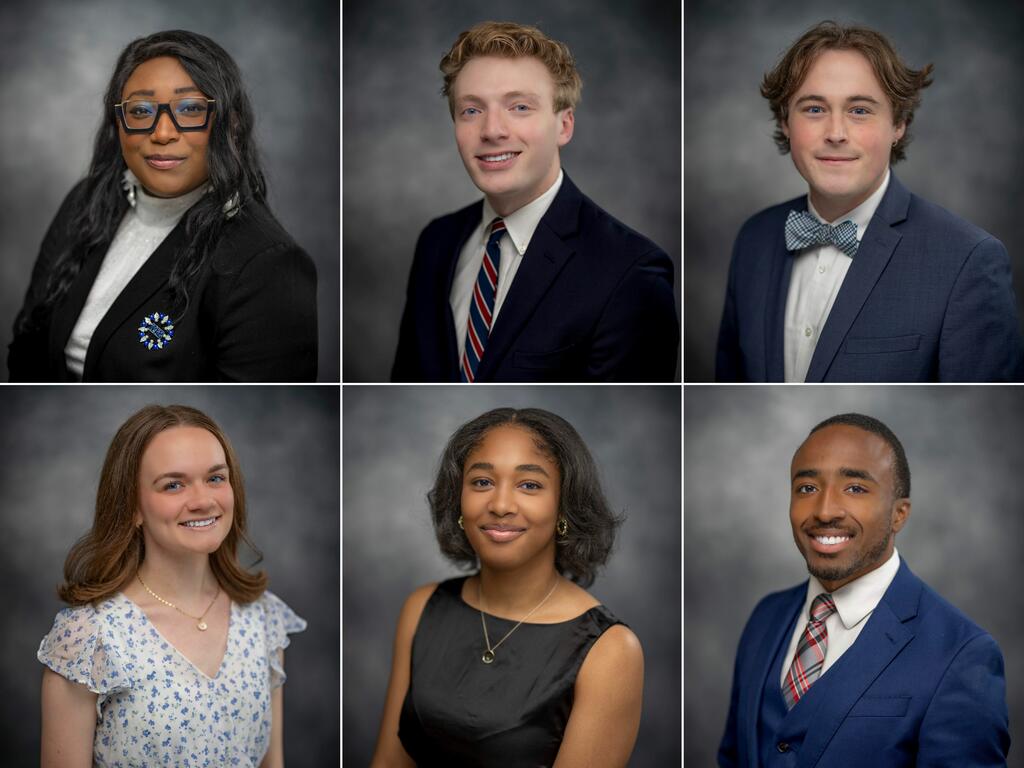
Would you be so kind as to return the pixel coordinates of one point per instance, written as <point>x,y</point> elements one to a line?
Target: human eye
<point>141,108</point>
<point>520,107</point>
<point>805,488</point>
<point>857,489</point>
<point>470,112</point>
<point>860,111</point>
<point>530,485</point>
<point>173,485</point>
<point>191,107</point>
<point>217,479</point>
<point>814,109</point>
<point>480,482</point>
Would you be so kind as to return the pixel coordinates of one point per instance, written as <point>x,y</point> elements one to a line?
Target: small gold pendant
<point>201,626</point>
<point>488,657</point>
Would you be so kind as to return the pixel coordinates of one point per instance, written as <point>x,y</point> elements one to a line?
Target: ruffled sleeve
<point>78,648</point>
<point>279,621</point>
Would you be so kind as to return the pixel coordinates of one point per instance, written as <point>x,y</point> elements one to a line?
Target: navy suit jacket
<point>928,297</point>
<point>591,301</point>
<point>251,313</point>
<point>921,686</point>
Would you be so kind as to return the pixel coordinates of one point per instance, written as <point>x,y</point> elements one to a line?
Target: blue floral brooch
<point>156,331</point>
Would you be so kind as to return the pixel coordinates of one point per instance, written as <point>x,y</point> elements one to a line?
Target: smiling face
<point>510,496</point>
<point>167,162</point>
<point>185,498</point>
<point>840,130</point>
<point>506,128</point>
<point>842,506</point>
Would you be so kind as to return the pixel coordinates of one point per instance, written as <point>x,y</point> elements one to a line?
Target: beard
<point>865,562</point>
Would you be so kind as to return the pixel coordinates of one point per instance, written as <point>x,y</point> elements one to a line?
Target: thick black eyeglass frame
<point>166,107</point>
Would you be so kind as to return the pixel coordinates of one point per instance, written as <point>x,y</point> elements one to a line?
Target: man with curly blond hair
<point>861,280</point>
<point>535,282</point>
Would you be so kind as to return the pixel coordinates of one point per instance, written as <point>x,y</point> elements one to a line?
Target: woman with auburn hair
<point>164,263</point>
<point>516,664</point>
<point>171,652</point>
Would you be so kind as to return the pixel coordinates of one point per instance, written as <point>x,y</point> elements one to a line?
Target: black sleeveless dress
<point>460,711</point>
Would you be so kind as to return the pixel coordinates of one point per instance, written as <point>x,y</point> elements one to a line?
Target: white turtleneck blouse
<point>143,228</point>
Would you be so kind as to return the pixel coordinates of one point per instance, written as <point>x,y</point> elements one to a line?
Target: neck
<point>516,591</point>
<point>182,580</point>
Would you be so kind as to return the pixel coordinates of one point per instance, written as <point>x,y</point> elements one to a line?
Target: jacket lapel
<point>876,248</point>
<point>545,257</point>
<point>131,305</point>
<point>884,636</point>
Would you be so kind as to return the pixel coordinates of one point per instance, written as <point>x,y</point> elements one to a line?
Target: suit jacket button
<point>782,746</point>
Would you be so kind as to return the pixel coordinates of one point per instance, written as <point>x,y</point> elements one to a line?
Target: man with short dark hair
<point>863,664</point>
<point>860,280</point>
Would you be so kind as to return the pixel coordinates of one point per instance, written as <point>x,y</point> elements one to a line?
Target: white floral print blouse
<point>154,708</point>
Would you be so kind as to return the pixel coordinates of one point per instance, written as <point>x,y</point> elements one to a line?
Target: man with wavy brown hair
<point>861,280</point>
<point>536,282</point>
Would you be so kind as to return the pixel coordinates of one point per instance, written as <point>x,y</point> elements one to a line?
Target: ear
<point>900,513</point>
<point>784,125</point>
<point>900,130</point>
<point>566,124</point>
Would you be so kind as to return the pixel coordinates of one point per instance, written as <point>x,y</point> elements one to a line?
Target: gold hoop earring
<point>460,522</point>
<point>562,527</point>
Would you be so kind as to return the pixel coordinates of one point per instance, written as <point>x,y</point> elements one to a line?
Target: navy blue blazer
<point>928,297</point>
<point>251,314</point>
<point>922,685</point>
<point>591,301</point>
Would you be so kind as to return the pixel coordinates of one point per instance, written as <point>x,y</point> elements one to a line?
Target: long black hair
<point>235,173</point>
<point>592,523</point>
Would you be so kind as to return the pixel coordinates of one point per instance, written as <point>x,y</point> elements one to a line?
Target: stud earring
<point>562,527</point>
<point>460,522</point>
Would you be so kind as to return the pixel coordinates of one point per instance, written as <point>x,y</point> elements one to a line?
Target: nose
<point>830,506</point>
<point>502,500</point>
<point>494,125</point>
<point>836,129</point>
<point>164,131</point>
<point>199,500</point>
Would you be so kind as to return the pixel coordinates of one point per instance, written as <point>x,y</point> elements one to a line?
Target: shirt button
<point>808,332</point>
<point>821,269</point>
<point>782,746</point>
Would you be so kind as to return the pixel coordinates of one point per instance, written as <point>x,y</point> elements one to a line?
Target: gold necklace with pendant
<point>202,626</point>
<point>488,655</point>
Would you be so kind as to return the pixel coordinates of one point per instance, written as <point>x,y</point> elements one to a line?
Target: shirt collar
<point>861,215</point>
<point>522,223</point>
<point>856,600</point>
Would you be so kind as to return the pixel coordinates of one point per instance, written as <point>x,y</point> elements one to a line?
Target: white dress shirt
<point>520,226</point>
<point>142,229</point>
<point>818,274</point>
<point>854,604</point>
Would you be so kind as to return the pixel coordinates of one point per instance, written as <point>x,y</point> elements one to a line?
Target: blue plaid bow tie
<point>804,230</point>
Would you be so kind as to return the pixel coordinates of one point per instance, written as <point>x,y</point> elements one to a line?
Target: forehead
<point>491,76</point>
<point>512,444</point>
<point>184,445</point>
<point>839,75</point>
<point>841,445</point>
<point>161,75</point>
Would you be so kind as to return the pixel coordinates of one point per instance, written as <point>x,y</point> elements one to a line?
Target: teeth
<point>498,158</point>
<point>831,539</point>
<point>200,523</point>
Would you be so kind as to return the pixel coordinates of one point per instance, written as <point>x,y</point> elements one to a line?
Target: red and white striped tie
<point>481,304</point>
<point>810,652</point>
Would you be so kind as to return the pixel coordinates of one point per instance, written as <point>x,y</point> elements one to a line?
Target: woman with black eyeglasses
<point>164,263</point>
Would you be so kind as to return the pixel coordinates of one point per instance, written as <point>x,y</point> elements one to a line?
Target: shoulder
<point>254,235</point>
<point>946,231</point>
<point>770,220</point>
<point>412,611</point>
<point>606,235</point>
<point>615,659</point>
<point>445,226</point>
<point>946,623</point>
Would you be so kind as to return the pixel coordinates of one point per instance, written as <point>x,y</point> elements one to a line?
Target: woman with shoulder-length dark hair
<point>516,664</point>
<point>171,653</point>
<point>164,263</point>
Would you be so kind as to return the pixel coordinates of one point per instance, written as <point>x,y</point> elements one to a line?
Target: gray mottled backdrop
<point>401,166</point>
<point>53,440</point>
<point>963,537</point>
<point>393,438</point>
<point>965,155</point>
<point>57,57</point>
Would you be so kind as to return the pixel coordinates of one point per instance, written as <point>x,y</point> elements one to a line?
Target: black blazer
<point>591,301</point>
<point>251,313</point>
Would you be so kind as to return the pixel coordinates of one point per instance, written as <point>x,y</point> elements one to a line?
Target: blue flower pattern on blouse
<point>154,708</point>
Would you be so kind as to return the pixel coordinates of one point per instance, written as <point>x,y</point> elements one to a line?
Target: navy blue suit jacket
<point>928,297</point>
<point>591,301</point>
<point>921,686</point>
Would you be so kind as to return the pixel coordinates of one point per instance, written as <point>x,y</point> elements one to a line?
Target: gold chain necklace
<point>488,656</point>
<point>202,626</point>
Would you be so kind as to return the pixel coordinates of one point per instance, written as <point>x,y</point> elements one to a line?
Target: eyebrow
<point>860,474</point>
<point>183,89</point>
<point>469,97</point>
<point>179,475</point>
<point>521,468</point>
<point>816,97</point>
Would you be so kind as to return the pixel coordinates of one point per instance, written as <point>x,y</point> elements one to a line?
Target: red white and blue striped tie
<point>810,652</point>
<point>481,304</point>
